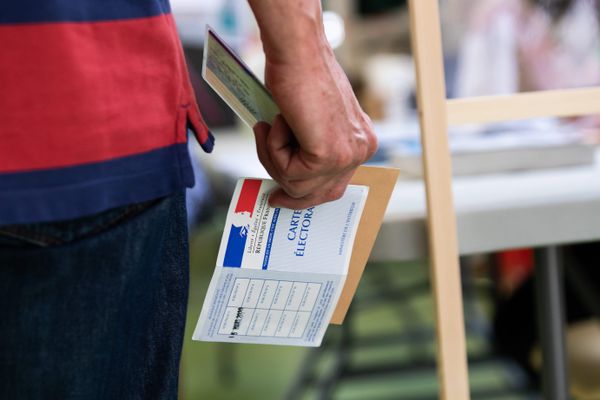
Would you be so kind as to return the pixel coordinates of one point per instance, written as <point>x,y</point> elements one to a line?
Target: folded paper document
<point>279,272</point>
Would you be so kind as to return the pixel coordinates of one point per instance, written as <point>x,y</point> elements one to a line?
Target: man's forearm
<point>291,30</point>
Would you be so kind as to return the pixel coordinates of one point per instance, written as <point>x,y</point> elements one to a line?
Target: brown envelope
<point>381,182</point>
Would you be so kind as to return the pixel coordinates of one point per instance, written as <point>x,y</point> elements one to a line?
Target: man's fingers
<point>281,145</point>
<point>261,129</point>
<point>301,188</point>
<point>296,163</point>
<point>305,179</point>
<point>279,198</point>
<point>328,191</point>
<point>261,133</point>
<point>288,156</point>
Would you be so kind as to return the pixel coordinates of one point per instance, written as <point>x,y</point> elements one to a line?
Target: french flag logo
<point>240,223</point>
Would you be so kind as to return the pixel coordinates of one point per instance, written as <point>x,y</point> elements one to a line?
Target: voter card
<point>279,272</point>
<point>227,74</point>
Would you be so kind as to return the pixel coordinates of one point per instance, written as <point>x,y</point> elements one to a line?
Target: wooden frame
<point>441,220</point>
<point>555,103</point>
<point>435,114</point>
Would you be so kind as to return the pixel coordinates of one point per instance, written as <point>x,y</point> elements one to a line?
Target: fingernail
<point>260,125</point>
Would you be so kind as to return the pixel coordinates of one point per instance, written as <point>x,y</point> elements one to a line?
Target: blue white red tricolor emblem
<point>240,223</point>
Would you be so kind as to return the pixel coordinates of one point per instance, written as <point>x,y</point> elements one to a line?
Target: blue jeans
<point>94,308</point>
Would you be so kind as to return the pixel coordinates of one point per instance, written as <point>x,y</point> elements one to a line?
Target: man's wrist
<point>291,32</point>
<point>308,53</point>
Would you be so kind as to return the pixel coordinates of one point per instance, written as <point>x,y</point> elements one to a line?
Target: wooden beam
<point>443,246</point>
<point>557,103</point>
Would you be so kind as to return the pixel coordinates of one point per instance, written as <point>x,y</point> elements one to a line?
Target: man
<point>95,107</point>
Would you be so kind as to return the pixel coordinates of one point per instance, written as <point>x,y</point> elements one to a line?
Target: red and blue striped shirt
<point>95,104</point>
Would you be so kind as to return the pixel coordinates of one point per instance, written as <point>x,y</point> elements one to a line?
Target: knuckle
<point>368,138</point>
<point>322,154</point>
<point>354,153</point>
<point>341,157</point>
<point>346,158</point>
<point>373,145</point>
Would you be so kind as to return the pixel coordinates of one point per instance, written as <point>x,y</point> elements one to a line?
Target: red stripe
<point>248,195</point>
<point>73,93</point>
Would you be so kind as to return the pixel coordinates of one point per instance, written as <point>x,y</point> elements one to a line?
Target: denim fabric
<point>95,308</point>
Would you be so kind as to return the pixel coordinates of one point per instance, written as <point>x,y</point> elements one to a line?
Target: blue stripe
<point>72,192</point>
<point>24,11</point>
<point>234,253</point>
<point>270,239</point>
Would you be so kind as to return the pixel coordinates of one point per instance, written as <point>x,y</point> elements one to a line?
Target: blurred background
<point>386,348</point>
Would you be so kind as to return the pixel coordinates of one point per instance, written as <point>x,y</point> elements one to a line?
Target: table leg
<point>551,323</point>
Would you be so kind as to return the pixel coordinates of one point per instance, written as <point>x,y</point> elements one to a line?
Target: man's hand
<point>322,135</point>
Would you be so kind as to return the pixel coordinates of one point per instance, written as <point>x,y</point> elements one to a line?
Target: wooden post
<point>437,167</point>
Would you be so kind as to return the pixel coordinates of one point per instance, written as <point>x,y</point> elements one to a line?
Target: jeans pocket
<point>58,233</point>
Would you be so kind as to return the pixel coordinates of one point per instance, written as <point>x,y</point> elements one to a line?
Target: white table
<point>494,212</point>
<point>541,209</point>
